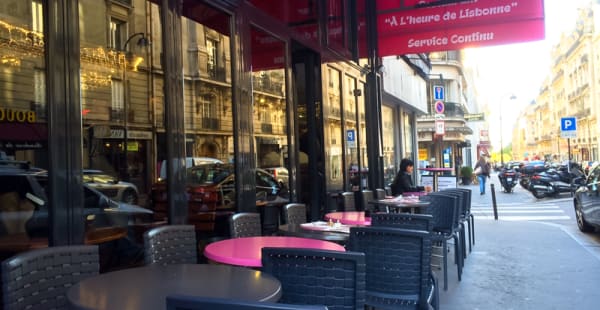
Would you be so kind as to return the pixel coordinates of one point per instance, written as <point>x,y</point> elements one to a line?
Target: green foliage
<point>466,171</point>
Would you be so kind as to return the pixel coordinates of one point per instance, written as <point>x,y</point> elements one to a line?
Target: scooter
<point>508,179</point>
<point>552,182</point>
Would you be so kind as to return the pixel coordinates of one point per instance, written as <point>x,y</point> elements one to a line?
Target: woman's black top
<point>403,183</point>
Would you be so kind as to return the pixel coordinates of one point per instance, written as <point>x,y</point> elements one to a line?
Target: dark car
<point>24,203</point>
<point>587,201</point>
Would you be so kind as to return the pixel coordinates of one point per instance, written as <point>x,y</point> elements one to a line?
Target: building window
<point>211,50</point>
<point>117,33</point>
<point>117,102</point>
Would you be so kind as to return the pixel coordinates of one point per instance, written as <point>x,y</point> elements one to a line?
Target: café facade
<point>122,85</point>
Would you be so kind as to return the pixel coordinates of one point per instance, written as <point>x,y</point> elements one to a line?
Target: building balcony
<point>210,123</point>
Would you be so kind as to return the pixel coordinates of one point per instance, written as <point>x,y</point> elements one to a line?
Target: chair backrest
<point>295,213</point>
<point>171,244</point>
<point>398,265</point>
<point>403,220</point>
<point>367,195</point>
<point>311,276</point>
<point>466,199</point>
<point>245,224</point>
<point>39,279</point>
<point>461,199</point>
<point>348,199</point>
<point>181,302</point>
<point>444,209</point>
<point>379,193</point>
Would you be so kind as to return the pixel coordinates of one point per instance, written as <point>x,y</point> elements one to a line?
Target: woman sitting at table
<point>403,182</point>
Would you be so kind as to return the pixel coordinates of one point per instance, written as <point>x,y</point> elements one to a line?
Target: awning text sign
<point>480,12</point>
<point>460,25</point>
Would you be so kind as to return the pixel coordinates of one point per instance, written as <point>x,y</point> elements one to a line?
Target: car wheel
<point>537,194</point>
<point>581,223</point>
<point>130,197</point>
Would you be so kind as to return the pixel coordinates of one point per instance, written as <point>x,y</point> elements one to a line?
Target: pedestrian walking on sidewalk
<point>482,170</point>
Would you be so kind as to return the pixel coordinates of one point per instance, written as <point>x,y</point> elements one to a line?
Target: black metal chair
<point>245,224</point>
<point>181,302</point>
<point>171,244</point>
<point>466,215</point>
<point>398,267</point>
<point>309,276</point>
<point>39,279</point>
<point>461,222</point>
<point>367,195</point>
<point>348,201</point>
<point>403,220</point>
<point>444,209</point>
<point>295,213</point>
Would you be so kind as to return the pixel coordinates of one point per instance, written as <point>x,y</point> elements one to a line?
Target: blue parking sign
<point>568,127</point>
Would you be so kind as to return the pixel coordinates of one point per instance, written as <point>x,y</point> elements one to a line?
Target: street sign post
<point>439,107</point>
<point>568,127</point>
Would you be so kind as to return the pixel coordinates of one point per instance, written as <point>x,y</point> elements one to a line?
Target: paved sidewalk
<point>522,265</point>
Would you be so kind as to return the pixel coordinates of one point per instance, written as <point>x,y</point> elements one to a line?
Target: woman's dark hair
<point>404,163</point>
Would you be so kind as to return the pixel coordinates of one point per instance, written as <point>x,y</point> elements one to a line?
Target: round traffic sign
<point>439,107</point>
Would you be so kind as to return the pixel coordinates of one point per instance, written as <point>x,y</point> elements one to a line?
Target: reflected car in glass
<point>587,201</point>
<point>111,186</point>
<point>211,189</point>
<point>24,203</point>
<point>280,174</point>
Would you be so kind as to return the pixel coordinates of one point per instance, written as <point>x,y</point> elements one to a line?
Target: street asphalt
<point>522,265</point>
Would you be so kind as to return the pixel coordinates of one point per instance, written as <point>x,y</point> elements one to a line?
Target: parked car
<point>587,201</point>
<point>211,193</point>
<point>280,174</point>
<point>24,203</point>
<point>189,162</point>
<point>111,186</point>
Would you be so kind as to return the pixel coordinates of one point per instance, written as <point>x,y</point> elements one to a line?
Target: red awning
<point>416,26</point>
<point>23,132</point>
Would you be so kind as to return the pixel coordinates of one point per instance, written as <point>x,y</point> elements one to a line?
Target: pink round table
<point>349,218</point>
<point>248,251</point>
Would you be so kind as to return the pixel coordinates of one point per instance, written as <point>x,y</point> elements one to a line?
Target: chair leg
<point>470,230</point>
<point>473,226</point>
<point>458,252</point>
<point>445,258</point>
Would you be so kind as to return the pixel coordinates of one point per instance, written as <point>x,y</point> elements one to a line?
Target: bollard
<point>494,202</point>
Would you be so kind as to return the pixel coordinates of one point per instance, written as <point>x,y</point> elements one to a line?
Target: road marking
<point>522,212</point>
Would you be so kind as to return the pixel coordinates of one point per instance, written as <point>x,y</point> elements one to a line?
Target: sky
<point>520,69</point>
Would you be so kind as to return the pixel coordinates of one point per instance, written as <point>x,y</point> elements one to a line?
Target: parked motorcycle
<point>529,169</point>
<point>508,179</point>
<point>553,182</point>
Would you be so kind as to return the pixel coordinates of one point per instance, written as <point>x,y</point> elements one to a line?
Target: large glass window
<point>269,102</point>
<point>23,126</point>
<point>389,147</point>
<point>352,138</point>
<point>333,130</point>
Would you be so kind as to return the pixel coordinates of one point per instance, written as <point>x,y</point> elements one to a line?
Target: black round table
<point>296,230</point>
<point>147,287</point>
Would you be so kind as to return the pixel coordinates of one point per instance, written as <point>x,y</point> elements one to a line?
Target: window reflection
<point>389,148</point>
<point>23,127</point>
<point>333,130</point>
<point>269,101</point>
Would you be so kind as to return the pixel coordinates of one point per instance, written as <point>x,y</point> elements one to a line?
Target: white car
<point>111,186</point>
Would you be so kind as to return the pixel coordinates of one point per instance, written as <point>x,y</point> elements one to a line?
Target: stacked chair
<point>318,277</point>
<point>444,209</point>
<point>39,279</point>
<point>171,244</point>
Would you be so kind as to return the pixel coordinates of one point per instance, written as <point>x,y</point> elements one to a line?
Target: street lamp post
<point>141,42</point>
<point>512,97</point>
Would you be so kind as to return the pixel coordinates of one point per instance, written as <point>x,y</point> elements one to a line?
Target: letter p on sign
<point>568,127</point>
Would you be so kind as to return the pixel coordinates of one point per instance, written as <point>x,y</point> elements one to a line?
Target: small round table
<point>248,251</point>
<point>297,230</point>
<point>148,287</point>
<point>349,218</point>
